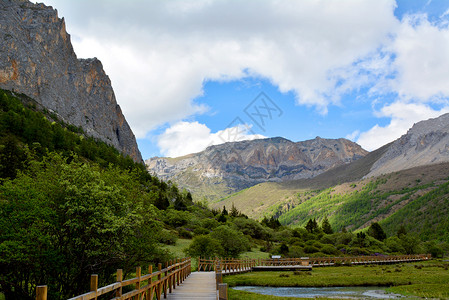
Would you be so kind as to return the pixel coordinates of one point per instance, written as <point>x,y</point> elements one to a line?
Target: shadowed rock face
<point>240,165</point>
<point>37,59</point>
<point>427,142</point>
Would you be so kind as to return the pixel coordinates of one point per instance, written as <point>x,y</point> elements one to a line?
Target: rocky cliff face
<point>427,142</point>
<point>37,59</point>
<point>230,167</point>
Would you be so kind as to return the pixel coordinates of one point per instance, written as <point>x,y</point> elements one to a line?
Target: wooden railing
<point>241,265</point>
<point>145,286</point>
<point>375,259</point>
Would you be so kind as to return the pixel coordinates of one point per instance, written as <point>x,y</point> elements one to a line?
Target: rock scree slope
<point>427,142</point>
<point>38,60</point>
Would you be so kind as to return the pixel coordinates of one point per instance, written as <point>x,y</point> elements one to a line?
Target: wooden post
<point>119,279</point>
<point>170,277</point>
<point>138,275</point>
<point>218,275</point>
<point>165,279</point>
<point>41,292</point>
<point>150,295</point>
<point>223,291</point>
<point>94,284</point>
<point>159,287</point>
<point>178,276</point>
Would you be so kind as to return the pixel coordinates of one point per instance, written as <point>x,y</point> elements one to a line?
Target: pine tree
<point>326,226</point>
<point>376,231</point>
<point>234,211</point>
<point>224,212</point>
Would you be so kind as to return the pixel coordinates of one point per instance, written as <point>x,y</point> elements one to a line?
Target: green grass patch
<point>255,253</point>
<point>242,295</point>
<point>177,250</point>
<point>426,279</point>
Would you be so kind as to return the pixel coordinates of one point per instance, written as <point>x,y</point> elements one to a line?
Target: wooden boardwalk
<point>199,285</point>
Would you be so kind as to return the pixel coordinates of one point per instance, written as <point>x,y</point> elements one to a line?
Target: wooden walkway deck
<point>199,285</point>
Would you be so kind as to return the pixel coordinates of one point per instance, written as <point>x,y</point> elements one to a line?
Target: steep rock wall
<point>37,59</point>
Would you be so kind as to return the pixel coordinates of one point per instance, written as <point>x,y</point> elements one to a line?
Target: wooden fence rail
<point>157,283</point>
<point>232,265</point>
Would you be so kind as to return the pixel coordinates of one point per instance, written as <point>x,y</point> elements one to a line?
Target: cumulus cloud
<point>183,138</point>
<point>422,60</point>
<point>414,69</point>
<point>159,53</point>
<point>403,116</point>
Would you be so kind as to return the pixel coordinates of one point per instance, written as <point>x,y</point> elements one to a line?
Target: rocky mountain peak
<point>37,59</point>
<point>427,142</point>
<point>234,166</point>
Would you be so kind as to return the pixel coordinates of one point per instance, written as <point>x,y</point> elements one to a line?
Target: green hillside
<point>273,198</point>
<point>414,198</point>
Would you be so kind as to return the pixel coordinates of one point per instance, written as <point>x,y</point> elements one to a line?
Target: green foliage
<point>204,246</point>
<point>71,206</point>
<point>312,226</point>
<point>376,231</point>
<point>233,242</point>
<point>251,228</point>
<point>326,226</point>
<point>61,221</point>
<point>426,216</point>
<point>272,222</point>
<point>32,128</point>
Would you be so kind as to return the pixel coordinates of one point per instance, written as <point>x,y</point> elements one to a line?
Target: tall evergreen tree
<point>326,226</point>
<point>234,211</point>
<point>312,226</point>
<point>376,231</point>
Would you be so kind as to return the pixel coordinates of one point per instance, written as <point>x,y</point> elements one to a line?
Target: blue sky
<point>190,73</point>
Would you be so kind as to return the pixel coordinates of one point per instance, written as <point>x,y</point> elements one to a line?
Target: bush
<point>204,246</point>
<point>168,237</point>
<point>232,241</point>
<point>184,233</point>
<point>311,249</point>
<point>329,249</point>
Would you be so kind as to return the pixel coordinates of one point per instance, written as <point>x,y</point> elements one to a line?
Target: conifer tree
<point>326,226</point>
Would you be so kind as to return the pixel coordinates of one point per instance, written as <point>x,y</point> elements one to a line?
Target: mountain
<point>427,142</point>
<point>276,198</point>
<point>417,198</point>
<point>404,183</point>
<point>37,59</point>
<point>221,170</point>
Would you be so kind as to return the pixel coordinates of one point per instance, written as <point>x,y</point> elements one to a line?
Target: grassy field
<point>178,249</point>
<point>426,279</point>
<point>255,253</point>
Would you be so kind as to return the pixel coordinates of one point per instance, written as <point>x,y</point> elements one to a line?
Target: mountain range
<point>224,169</point>
<point>343,182</point>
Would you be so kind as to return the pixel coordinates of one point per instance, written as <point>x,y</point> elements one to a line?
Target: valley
<point>79,206</point>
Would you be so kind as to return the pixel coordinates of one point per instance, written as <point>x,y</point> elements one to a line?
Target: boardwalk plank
<point>199,285</point>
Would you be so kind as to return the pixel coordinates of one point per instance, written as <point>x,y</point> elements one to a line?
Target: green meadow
<point>423,279</point>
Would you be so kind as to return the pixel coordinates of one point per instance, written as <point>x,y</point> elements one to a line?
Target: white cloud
<point>422,60</point>
<point>353,136</point>
<point>159,53</point>
<point>403,116</point>
<point>190,137</point>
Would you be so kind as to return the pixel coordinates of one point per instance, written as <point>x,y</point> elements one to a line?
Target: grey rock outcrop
<point>427,142</point>
<point>37,59</point>
<point>239,165</point>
